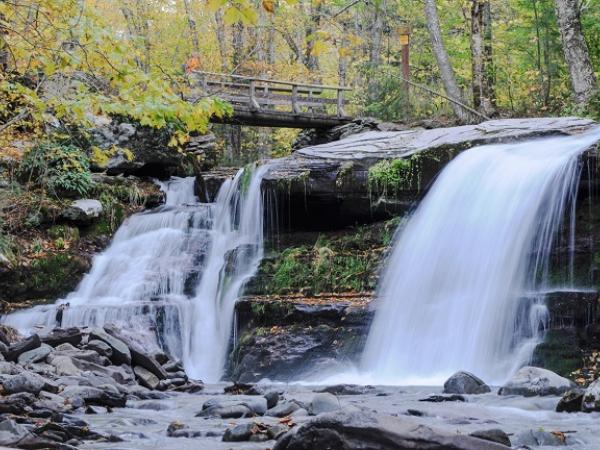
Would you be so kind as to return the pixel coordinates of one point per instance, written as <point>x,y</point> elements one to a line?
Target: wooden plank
<point>240,86</point>
<point>266,118</point>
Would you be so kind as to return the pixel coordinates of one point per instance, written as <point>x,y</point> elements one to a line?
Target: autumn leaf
<point>268,5</point>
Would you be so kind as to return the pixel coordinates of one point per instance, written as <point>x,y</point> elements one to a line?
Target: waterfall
<point>451,294</point>
<point>171,275</point>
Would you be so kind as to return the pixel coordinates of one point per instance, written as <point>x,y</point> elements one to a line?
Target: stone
<point>533,381</point>
<point>100,347</point>
<point>324,403</point>
<point>35,355</point>
<point>94,396</point>
<point>272,397</point>
<point>82,212</point>
<point>571,401</point>
<point>465,383</point>
<point>233,408</point>
<point>493,435</point>
<point>22,346</point>
<point>11,432</point>
<point>253,431</point>
<point>146,378</point>
<point>27,382</point>
<point>356,430</point>
<point>591,397</point>
<point>120,351</point>
<point>443,398</point>
<point>538,437</point>
<point>284,408</point>
<point>178,429</point>
<point>64,364</point>
<point>60,336</point>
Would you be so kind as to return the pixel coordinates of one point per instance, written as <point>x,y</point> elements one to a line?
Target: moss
<point>559,352</point>
<point>344,174</point>
<point>55,274</point>
<point>389,176</point>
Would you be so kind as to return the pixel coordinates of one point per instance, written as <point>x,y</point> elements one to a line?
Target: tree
<point>481,58</point>
<point>443,62</point>
<point>583,80</point>
<point>193,28</point>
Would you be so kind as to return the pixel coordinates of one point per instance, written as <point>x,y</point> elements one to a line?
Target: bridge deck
<point>275,103</point>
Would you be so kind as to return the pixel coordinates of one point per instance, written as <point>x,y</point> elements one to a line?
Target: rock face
<point>532,381</point>
<point>331,181</point>
<point>591,397</point>
<point>465,383</point>
<point>83,212</point>
<point>287,338</point>
<point>346,431</point>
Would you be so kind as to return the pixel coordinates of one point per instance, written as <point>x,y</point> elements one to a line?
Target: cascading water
<point>171,275</point>
<point>451,295</point>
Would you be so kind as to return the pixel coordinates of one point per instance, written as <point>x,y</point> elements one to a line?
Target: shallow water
<point>512,414</point>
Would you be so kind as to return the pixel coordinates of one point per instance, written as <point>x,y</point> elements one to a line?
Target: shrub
<point>62,170</point>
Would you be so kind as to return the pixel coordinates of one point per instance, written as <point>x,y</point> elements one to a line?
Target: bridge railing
<point>262,94</point>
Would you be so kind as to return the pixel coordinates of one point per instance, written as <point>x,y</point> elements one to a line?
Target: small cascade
<point>451,296</point>
<point>171,275</point>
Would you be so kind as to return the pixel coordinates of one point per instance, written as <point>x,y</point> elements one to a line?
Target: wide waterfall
<point>171,275</point>
<point>452,292</point>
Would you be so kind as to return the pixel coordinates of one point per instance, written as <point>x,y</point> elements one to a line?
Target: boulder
<point>22,346</point>
<point>11,433</point>
<point>253,431</point>
<point>349,389</point>
<point>272,397</point>
<point>233,409</point>
<point>178,429</point>
<point>60,336</point>
<point>146,378</point>
<point>100,347</point>
<point>493,435</point>
<point>120,351</point>
<point>465,383</point>
<point>324,403</point>
<point>591,397</point>
<point>35,355</point>
<point>94,396</point>
<point>532,381</point>
<point>82,212</point>
<point>64,364</point>
<point>27,382</point>
<point>571,401</point>
<point>285,408</point>
<point>358,430</point>
<point>539,437</point>
<point>443,398</point>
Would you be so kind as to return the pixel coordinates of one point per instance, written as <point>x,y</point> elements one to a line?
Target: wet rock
<point>27,382</point>
<point>8,368</point>
<point>233,409</point>
<point>493,435</point>
<point>532,381</point>
<point>591,397</point>
<point>82,212</point>
<point>173,366</point>
<point>146,378</point>
<point>120,350</point>
<point>571,401</point>
<point>94,396</point>
<point>465,383</point>
<point>178,429</point>
<point>17,404</point>
<point>100,347</point>
<point>61,336</point>
<point>443,398</point>
<point>35,355</point>
<point>349,389</point>
<point>272,397</point>
<point>539,437</point>
<point>285,408</point>
<point>356,430</point>
<point>324,403</point>
<point>23,346</point>
<point>255,432</point>
<point>63,364</point>
<point>92,409</point>
<point>11,433</point>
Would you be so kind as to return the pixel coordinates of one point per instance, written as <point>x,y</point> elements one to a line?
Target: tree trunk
<point>193,28</point>
<point>237,42</point>
<point>3,46</point>
<point>310,60</point>
<point>480,57</point>
<point>490,72</point>
<point>376,34</point>
<point>446,71</point>
<point>576,50</point>
<point>220,32</point>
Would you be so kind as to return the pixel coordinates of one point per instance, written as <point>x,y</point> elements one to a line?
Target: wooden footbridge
<point>275,103</point>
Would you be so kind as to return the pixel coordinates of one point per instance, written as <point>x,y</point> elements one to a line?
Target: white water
<point>171,276</point>
<point>449,299</point>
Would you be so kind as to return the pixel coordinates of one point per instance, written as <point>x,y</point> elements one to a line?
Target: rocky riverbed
<point>99,389</point>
